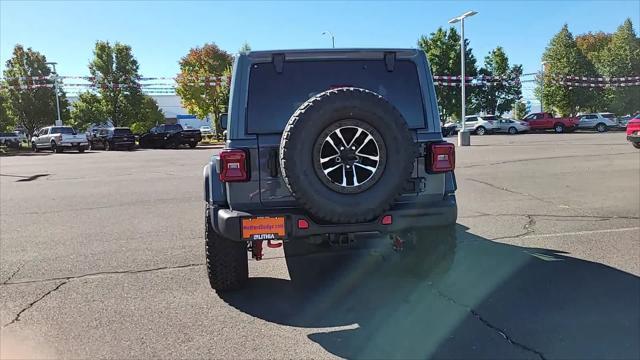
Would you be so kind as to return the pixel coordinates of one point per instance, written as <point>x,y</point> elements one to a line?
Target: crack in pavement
<point>13,274</point>
<point>540,158</point>
<point>528,229</point>
<point>513,191</point>
<point>30,305</point>
<point>486,322</point>
<point>102,273</point>
<point>551,217</point>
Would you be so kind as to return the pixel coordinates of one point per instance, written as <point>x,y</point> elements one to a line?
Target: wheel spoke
<point>344,175</point>
<point>376,158</point>
<point>341,138</point>
<point>369,137</point>
<point>372,169</point>
<point>332,144</point>
<point>355,137</point>
<point>355,177</point>
<point>324,160</point>
<point>327,171</point>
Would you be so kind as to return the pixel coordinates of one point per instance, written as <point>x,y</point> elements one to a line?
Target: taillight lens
<point>233,164</point>
<point>442,157</point>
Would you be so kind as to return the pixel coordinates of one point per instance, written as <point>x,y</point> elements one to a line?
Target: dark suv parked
<point>112,139</point>
<point>323,145</point>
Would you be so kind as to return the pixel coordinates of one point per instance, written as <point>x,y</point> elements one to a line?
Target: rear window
<point>175,127</point>
<point>121,132</point>
<point>609,116</point>
<point>63,130</point>
<point>274,97</point>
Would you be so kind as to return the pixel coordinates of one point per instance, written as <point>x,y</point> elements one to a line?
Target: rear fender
<point>214,189</point>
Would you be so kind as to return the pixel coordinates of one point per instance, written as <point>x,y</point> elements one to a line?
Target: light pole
<point>542,64</point>
<point>464,137</point>
<point>55,88</point>
<point>333,39</point>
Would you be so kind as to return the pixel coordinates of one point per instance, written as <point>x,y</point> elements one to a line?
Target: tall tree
<point>563,57</point>
<point>202,84</point>
<point>519,109</point>
<point>442,48</point>
<point>246,48</point>
<point>498,98</point>
<point>88,110</point>
<point>621,58</point>
<point>115,73</point>
<point>31,102</point>
<point>591,44</point>
<point>150,116</point>
<point>7,122</point>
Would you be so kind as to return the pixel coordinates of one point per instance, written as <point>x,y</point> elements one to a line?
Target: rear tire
<point>193,144</point>
<point>558,128</point>
<point>55,148</point>
<point>636,145</point>
<point>34,148</point>
<point>81,149</point>
<point>513,130</point>
<point>107,146</point>
<point>227,263</point>
<point>481,131</point>
<point>601,128</point>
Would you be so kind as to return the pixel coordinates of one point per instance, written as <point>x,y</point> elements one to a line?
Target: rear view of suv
<point>323,145</point>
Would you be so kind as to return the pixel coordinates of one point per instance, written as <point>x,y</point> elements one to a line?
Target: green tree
<point>150,116</point>
<point>563,57</point>
<point>89,109</point>
<point>498,98</point>
<point>621,57</point>
<point>201,85</point>
<point>442,48</point>
<point>592,44</point>
<point>115,73</point>
<point>7,122</point>
<point>519,109</point>
<point>28,102</point>
<point>246,48</point>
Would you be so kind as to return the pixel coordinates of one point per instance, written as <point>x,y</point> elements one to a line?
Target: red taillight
<point>442,157</point>
<point>387,220</point>
<point>303,224</point>
<point>233,165</point>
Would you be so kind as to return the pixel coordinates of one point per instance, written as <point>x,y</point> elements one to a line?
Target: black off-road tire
<point>227,262</point>
<point>346,107</point>
<point>193,144</point>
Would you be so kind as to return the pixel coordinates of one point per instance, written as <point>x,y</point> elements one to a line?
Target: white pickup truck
<point>58,138</point>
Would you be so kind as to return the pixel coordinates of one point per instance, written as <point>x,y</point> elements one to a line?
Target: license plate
<point>263,228</point>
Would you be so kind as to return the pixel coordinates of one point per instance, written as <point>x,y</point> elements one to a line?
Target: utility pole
<point>55,89</point>
<point>333,39</point>
<point>464,137</point>
<point>542,85</point>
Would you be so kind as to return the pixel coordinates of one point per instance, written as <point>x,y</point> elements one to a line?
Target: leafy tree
<point>442,48</point>
<point>150,116</point>
<point>87,110</point>
<point>7,122</point>
<point>563,57</point>
<point>31,107</point>
<point>591,44</point>
<point>621,57</point>
<point>246,48</point>
<point>115,72</point>
<point>498,98</point>
<point>519,109</point>
<point>199,85</point>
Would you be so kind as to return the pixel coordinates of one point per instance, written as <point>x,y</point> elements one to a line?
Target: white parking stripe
<point>582,232</point>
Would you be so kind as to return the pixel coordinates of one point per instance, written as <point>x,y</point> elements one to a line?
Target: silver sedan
<point>512,126</point>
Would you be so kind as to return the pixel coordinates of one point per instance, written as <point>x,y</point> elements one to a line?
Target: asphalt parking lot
<point>102,257</point>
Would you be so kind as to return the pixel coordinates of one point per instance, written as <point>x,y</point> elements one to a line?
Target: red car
<point>633,131</point>
<point>546,121</point>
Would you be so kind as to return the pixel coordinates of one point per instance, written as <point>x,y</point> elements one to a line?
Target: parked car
<point>450,128</point>
<point>113,138</point>
<point>633,131</point>
<point>481,124</point>
<point>323,162</point>
<point>170,136</point>
<point>511,126</point>
<point>546,121</point>
<point>58,138</point>
<point>600,122</point>
<point>10,139</point>
<point>206,130</point>
<point>623,120</point>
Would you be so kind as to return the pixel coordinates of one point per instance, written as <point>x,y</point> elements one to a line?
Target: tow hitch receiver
<point>396,242</point>
<point>256,248</point>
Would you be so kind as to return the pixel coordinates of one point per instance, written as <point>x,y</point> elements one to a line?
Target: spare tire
<point>346,155</point>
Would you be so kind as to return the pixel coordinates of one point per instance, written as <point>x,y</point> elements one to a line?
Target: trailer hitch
<point>256,247</point>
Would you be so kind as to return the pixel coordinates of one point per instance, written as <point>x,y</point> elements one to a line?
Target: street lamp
<point>542,64</point>
<point>55,88</point>
<point>464,137</point>
<point>333,39</point>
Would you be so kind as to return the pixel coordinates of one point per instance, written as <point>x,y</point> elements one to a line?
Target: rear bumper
<point>410,215</point>
<point>74,144</point>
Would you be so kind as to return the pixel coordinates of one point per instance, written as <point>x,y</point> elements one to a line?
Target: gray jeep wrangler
<point>323,145</point>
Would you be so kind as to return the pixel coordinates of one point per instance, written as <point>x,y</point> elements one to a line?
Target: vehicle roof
<point>331,53</point>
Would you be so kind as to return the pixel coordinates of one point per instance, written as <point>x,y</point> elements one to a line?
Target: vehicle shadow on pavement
<point>492,301</point>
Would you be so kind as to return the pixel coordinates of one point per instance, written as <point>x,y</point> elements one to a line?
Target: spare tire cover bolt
<point>338,159</point>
